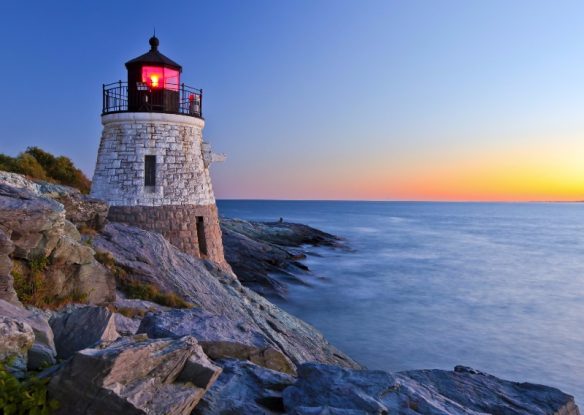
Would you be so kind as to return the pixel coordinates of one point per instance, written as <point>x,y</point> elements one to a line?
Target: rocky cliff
<point>129,324</point>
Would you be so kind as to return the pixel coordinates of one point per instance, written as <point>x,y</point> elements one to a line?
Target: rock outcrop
<point>80,209</point>
<point>45,243</point>
<point>218,336</point>
<point>265,255</point>
<point>148,257</point>
<point>134,375</point>
<point>464,391</point>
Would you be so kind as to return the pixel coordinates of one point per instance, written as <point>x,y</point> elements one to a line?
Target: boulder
<point>134,375</point>
<point>199,370</point>
<point>219,336</point>
<point>245,388</point>
<point>42,353</point>
<point>79,327</point>
<point>37,228</point>
<point>16,338</point>
<point>126,326</point>
<point>329,389</point>
<point>149,258</point>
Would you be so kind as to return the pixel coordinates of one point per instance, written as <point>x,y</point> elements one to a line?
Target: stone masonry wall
<point>183,188</point>
<point>182,176</point>
<point>178,224</point>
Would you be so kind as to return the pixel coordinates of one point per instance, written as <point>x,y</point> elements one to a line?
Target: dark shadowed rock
<point>42,352</point>
<point>281,233</point>
<point>260,254</point>
<point>245,388</point>
<point>79,327</point>
<point>218,336</point>
<point>148,257</point>
<point>131,376</point>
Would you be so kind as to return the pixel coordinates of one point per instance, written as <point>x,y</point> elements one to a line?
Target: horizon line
<point>395,200</point>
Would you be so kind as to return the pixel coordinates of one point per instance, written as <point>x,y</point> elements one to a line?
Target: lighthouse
<point>153,163</point>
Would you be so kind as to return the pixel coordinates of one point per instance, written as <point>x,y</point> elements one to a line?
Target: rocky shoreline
<point>114,319</point>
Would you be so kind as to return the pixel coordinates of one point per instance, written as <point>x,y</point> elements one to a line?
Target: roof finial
<point>154,41</point>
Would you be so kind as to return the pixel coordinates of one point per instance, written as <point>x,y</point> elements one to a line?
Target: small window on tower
<point>149,171</point>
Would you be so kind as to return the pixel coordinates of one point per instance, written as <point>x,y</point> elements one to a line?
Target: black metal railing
<point>173,99</point>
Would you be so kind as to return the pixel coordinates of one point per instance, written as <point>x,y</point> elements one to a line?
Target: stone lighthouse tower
<point>153,165</point>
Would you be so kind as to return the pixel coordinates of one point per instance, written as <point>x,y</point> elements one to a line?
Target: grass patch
<point>32,288</point>
<point>137,289</point>
<point>24,397</point>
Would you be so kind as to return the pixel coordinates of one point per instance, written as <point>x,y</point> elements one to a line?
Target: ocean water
<point>495,286</point>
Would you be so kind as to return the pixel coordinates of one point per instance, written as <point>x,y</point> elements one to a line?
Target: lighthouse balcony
<point>144,97</point>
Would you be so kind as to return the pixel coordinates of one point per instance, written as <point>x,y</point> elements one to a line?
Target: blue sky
<point>322,99</point>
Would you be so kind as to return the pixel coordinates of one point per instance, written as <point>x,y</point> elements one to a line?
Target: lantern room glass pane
<point>159,77</point>
<point>171,79</point>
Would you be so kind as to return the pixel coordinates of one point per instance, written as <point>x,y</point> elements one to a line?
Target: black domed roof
<point>154,57</point>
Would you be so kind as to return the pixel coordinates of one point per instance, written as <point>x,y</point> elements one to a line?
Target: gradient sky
<point>324,99</point>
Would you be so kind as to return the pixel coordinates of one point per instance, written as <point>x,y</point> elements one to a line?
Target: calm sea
<point>495,286</point>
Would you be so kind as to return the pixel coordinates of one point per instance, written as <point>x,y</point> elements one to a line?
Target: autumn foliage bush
<point>39,164</point>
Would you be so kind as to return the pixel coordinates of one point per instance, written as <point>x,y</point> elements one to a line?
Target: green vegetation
<point>31,286</point>
<point>28,397</point>
<point>38,164</point>
<point>137,289</point>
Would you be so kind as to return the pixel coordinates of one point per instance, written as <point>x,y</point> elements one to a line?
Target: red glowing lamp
<point>160,77</point>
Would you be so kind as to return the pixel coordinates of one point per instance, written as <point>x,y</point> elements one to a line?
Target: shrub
<point>61,169</point>
<point>29,166</point>
<point>26,397</point>
<point>39,164</point>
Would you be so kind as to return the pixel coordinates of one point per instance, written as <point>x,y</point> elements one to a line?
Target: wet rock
<point>37,228</point>
<point>16,338</point>
<point>130,376</point>
<point>42,352</point>
<point>148,257</point>
<point>79,327</point>
<point>219,337</point>
<point>245,388</point>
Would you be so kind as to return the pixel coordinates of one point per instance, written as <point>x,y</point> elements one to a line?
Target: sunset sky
<point>325,99</point>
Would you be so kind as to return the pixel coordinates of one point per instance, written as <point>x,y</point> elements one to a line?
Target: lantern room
<point>154,85</point>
